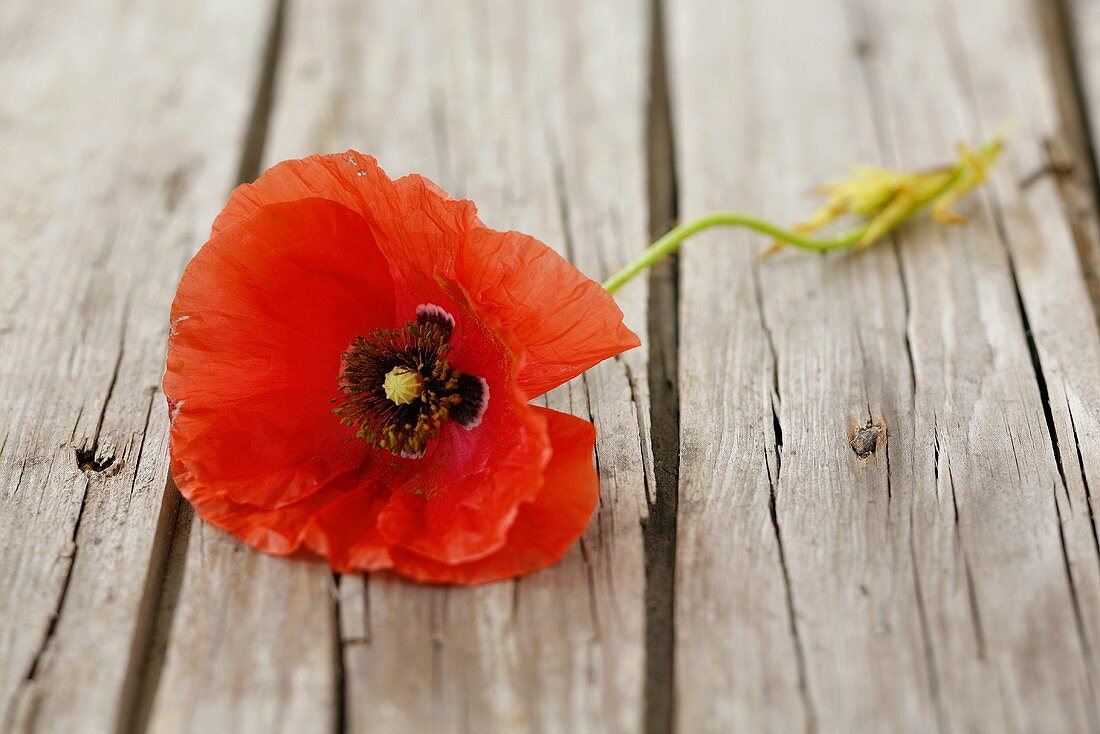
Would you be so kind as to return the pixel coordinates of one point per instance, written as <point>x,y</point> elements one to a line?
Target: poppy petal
<point>275,531</point>
<point>259,322</point>
<point>338,521</point>
<point>544,528</point>
<point>346,530</point>
<point>452,510</point>
<point>565,321</point>
<point>355,521</point>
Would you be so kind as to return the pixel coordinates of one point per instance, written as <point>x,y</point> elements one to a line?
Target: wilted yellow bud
<point>886,198</point>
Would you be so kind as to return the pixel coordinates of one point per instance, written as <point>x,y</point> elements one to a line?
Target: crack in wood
<point>659,528</point>
<point>889,484</point>
<point>927,645</point>
<point>1032,346</point>
<point>1084,481</point>
<point>340,717</point>
<point>592,420</point>
<point>769,338</point>
<point>776,401</point>
<point>19,479</point>
<point>777,442</point>
<point>561,197</point>
<point>153,392</point>
<point>968,574</point>
<point>88,458</point>
<point>792,617</point>
<point>1052,432</point>
<point>156,609</point>
<point>908,315</point>
<point>644,437</point>
<point>252,153</point>
<point>88,461</point>
<point>51,628</point>
<point>972,599</point>
<point>1078,616</point>
<point>593,593</point>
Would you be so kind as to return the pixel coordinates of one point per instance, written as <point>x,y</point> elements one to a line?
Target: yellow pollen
<point>403,385</point>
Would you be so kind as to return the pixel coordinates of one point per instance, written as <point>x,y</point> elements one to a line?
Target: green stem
<point>671,242</point>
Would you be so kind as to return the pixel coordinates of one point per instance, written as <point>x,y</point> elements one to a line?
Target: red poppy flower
<point>349,368</point>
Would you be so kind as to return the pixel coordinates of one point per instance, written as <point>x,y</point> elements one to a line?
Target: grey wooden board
<point>538,115</point>
<point>949,580</point>
<point>120,133</point>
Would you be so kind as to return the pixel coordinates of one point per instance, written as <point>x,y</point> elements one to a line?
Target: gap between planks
<point>663,374</point>
<point>170,542</point>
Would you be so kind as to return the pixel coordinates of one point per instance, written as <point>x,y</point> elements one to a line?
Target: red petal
<point>276,531</point>
<point>340,520</point>
<point>260,320</point>
<point>565,321</point>
<point>543,528</point>
<point>346,531</point>
<point>466,490</point>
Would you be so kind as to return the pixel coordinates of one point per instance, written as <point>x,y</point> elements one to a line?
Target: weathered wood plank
<point>252,646</point>
<point>120,131</point>
<point>945,581</point>
<point>788,563</point>
<point>1034,219</point>
<point>536,111</point>
<point>1033,582</point>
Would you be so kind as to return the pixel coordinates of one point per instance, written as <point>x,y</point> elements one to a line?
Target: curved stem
<point>671,242</point>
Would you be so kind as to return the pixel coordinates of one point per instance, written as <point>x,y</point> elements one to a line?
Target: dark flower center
<point>399,389</point>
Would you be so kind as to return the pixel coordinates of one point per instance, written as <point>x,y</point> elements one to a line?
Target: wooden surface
<point>747,569</point>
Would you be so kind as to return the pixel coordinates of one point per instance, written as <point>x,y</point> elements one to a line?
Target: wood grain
<point>948,580</point>
<point>121,134</point>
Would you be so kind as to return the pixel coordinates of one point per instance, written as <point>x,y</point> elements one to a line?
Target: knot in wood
<point>866,439</point>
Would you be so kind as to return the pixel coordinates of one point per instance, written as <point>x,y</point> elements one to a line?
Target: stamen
<point>429,313</point>
<point>399,388</point>
<point>474,392</point>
